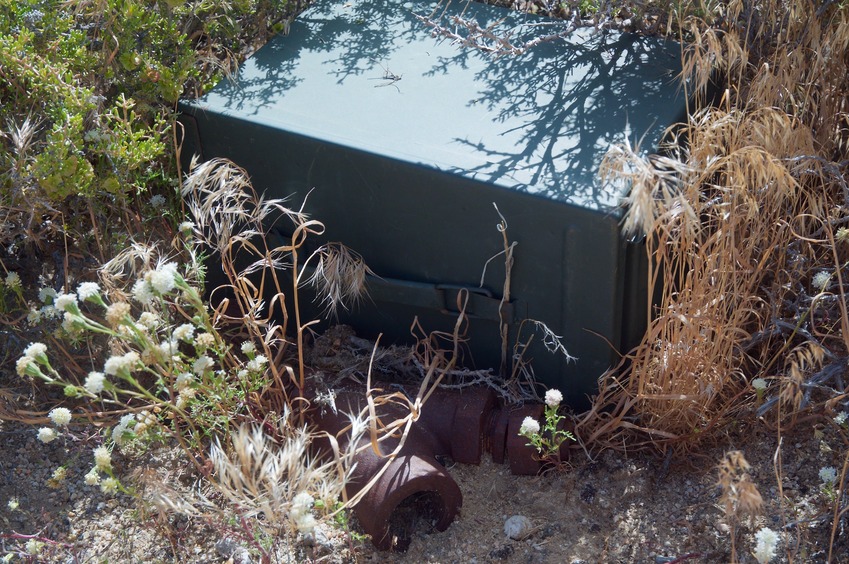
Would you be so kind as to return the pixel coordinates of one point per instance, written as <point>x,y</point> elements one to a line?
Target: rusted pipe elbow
<point>415,486</point>
<point>451,424</point>
<point>417,481</point>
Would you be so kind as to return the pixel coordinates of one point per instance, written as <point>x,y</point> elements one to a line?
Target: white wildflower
<point>92,478</point>
<point>145,420</point>
<point>248,347</point>
<point>94,382</point>
<point>60,416</point>
<point>109,486</point>
<point>821,280</point>
<point>143,292</point>
<point>116,313</point>
<point>305,523</point>
<point>205,340</point>
<point>72,324</point>
<point>88,290</point>
<point>766,541</point>
<point>103,458</point>
<point>184,332</point>
<point>202,364</point>
<point>759,384</point>
<point>13,504</point>
<point>163,279</point>
<point>46,293</point>
<point>257,364</point>
<point>37,352</point>
<point>184,397</point>
<point>121,365</point>
<point>184,380</point>
<point>828,475</point>
<point>13,281</point>
<point>34,547</point>
<point>530,426</point>
<point>34,317</point>
<point>122,428</point>
<point>26,365</point>
<point>149,320</point>
<point>46,434</point>
<point>553,398</point>
<point>169,348</point>
<point>60,474</point>
<point>187,226</point>
<point>50,312</point>
<point>65,302</point>
<point>840,418</point>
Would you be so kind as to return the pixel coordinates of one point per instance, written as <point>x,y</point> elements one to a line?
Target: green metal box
<point>404,140</point>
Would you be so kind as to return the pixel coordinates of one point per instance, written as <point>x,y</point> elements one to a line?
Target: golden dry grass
<point>738,218</point>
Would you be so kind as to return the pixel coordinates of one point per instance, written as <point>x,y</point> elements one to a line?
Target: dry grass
<point>738,219</point>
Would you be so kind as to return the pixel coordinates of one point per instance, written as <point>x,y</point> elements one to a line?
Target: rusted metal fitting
<point>456,424</point>
<point>451,424</point>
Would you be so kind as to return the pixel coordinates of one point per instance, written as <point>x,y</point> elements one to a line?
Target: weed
<point>547,440</point>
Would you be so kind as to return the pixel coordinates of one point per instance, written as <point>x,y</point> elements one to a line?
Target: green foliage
<point>88,90</point>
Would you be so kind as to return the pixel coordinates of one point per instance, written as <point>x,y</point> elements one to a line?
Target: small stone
<point>232,550</point>
<point>517,527</point>
<point>502,552</point>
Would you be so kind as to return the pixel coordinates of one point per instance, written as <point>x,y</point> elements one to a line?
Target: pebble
<point>517,526</point>
<point>232,550</point>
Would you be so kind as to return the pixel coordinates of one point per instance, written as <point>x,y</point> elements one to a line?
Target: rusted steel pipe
<point>458,424</point>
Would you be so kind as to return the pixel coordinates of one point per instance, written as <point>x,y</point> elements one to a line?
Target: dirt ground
<point>618,507</point>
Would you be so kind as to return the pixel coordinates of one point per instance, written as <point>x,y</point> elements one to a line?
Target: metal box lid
<point>408,139</point>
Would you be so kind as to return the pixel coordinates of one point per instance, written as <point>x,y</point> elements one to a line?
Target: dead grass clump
<point>737,221</point>
<point>740,497</point>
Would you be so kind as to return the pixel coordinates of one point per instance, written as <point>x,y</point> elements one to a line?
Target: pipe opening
<point>418,512</point>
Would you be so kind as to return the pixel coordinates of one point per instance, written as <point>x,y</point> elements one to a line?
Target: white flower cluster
<point>301,515</point>
<point>88,290</point>
<point>34,354</point>
<point>149,320</point>
<point>102,459</point>
<point>60,416</point>
<point>257,364</point>
<point>553,398</point>
<point>828,475</point>
<point>145,421</point>
<point>124,427</point>
<point>766,541</point>
<point>205,340</point>
<point>95,382</point>
<point>530,426</point>
<point>46,434</point>
<point>13,281</point>
<point>121,364</point>
<point>47,310</point>
<point>184,380</point>
<point>66,302</point>
<point>184,332</point>
<point>116,313</point>
<point>157,282</point>
<point>821,280</point>
<point>202,364</point>
<point>759,384</point>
